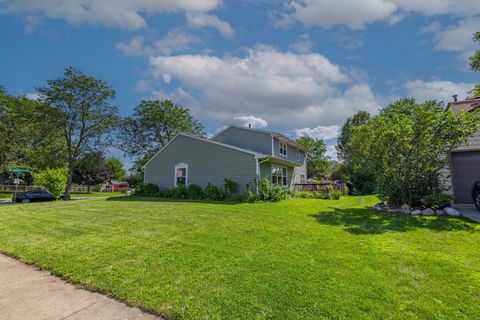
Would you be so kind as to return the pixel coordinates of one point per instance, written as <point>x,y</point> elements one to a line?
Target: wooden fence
<point>318,187</point>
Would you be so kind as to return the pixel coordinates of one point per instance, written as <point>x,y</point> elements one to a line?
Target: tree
<point>406,146</point>
<point>114,169</point>
<point>90,169</point>
<point>84,114</point>
<point>153,124</point>
<point>54,180</point>
<point>28,138</point>
<point>360,177</point>
<point>475,66</point>
<point>317,162</point>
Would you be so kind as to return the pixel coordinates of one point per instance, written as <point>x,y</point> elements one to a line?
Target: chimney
<point>455,97</point>
<point>250,125</point>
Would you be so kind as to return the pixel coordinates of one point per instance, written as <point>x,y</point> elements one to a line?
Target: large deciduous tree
<point>475,66</point>
<point>28,138</point>
<point>406,146</point>
<point>361,178</point>
<point>317,162</point>
<point>114,169</point>
<point>84,113</point>
<point>153,124</point>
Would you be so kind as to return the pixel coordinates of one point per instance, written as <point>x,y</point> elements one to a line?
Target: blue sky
<point>300,67</point>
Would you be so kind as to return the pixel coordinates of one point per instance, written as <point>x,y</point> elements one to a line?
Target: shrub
<point>179,192</point>
<point>267,191</point>
<point>148,190</point>
<point>230,186</point>
<point>54,180</point>
<point>335,195</point>
<point>436,200</point>
<point>194,192</point>
<point>214,193</point>
<point>250,196</point>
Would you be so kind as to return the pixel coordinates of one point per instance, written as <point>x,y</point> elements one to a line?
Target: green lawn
<point>297,259</point>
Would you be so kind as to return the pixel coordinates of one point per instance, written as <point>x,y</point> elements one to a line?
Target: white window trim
<point>280,148</point>
<point>281,169</point>
<point>181,165</point>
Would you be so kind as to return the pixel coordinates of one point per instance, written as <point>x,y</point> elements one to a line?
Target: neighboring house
<point>464,167</point>
<point>241,154</point>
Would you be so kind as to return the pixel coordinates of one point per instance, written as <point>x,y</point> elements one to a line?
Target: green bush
<point>214,193</point>
<point>147,190</point>
<point>194,192</point>
<point>54,180</point>
<point>267,191</point>
<point>436,200</point>
<point>179,192</point>
<point>250,196</point>
<point>230,186</point>
<point>328,194</point>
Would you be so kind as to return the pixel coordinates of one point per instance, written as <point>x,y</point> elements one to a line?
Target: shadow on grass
<point>367,221</point>
<point>155,199</point>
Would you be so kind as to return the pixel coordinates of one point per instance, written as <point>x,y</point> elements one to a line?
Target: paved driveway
<point>27,293</point>
<point>469,211</point>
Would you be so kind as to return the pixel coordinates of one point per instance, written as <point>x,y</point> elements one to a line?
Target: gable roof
<point>277,135</point>
<point>467,105</point>
<point>184,134</point>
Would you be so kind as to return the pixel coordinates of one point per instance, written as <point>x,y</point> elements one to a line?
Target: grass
<point>298,259</point>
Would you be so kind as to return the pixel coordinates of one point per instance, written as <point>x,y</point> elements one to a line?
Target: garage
<point>465,171</point>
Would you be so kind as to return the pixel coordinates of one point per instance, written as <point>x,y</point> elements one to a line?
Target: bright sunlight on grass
<point>295,259</point>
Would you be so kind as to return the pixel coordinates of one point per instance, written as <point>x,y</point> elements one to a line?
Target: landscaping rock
<point>428,212</point>
<point>416,212</point>
<point>439,212</point>
<point>452,212</point>
<point>406,207</point>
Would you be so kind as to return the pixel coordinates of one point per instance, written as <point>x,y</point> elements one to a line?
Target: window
<point>279,175</point>
<point>298,155</point>
<point>181,174</point>
<point>302,179</point>
<point>283,149</point>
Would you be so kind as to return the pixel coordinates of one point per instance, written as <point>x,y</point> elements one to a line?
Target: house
<point>464,167</point>
<point>239,153</point>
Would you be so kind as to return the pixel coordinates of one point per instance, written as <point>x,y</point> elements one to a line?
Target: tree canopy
<point>406,146</point>
<point>475,65</point>
<point>152,125</point>
<point>317,162</point>
<point>82,110</point>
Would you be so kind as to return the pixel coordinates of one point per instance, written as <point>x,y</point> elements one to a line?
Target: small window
<point>181,172</point>
<point>298,155</point>
<point>302,178</point>
<point>279,175</point>
<point>283,149</point>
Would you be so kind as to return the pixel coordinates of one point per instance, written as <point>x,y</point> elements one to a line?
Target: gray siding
<point>291,152</point>
<point>207,163</point>
<point>247,139</point>
<point>266,171</point>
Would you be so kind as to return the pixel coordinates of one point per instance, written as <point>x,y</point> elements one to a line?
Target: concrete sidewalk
<point>28,293</point>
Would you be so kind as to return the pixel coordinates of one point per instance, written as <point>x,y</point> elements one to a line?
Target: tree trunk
<point>69,179</point>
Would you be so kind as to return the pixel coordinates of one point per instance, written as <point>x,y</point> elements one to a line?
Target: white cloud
<point>253,121</point>
<point>124,14</point>
<point>32,96</point>
<point>176,40</point>
<point>356,14</point>
<point>438,90</point>
<point>331,152</point>
<point>134,47</point>
<point>319,132</point>
<point>303,45</point>
<point>458,38</point>
<point>290,90</point>
<point>200,20</point>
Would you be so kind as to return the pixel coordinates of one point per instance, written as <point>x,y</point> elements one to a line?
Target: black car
<point>31,196</point>
<point>476,194</point>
